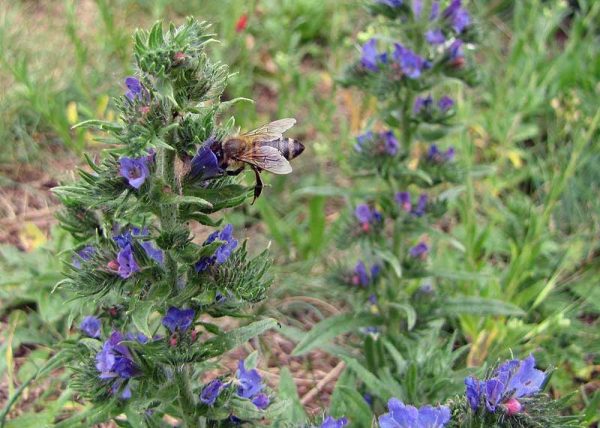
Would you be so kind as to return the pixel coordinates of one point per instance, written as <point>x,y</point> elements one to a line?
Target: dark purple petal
<point>178,319</point>
<point>369,56</point>
<point>419,250</point>
<point>136,90</point>
<point>445,103</point>
<point>527,380</point>
<point>261,401</point>
<point>391,143</point>
<point>473,392</point>
<point>360,274</point>
<point>375,270</point>
<point>456,50</point>
<point>127,264</point>
<point>249,381</point>
<point>204,164</point>
<point>435,10</point>
<point>363,213</point>
<point>403,199</point>
<point>331,422</point>
<point>435,37</point>
<point>433,417</point>
<point>135,170</point>
<point>494,391</point>
<point>91,326</point>
<point>421,205</point>
<point>410,63</point>
<point>422,103</point>
<point>224,251</point>
<point>211,392</point>
<point>84,254</point>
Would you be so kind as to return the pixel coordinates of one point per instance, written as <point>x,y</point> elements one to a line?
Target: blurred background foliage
<point>526,219</point>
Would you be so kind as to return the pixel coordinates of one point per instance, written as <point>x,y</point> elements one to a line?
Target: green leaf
<point>479,306</point>
<point>98,124</point>
<point>234,338</point>
<point>192,200</point>
<point>155,39</point>
<point>411,314</point>
<point>357,409</point>
<point>225,197</point>
<point>332,327</point>
<point>371,381</point>
<point>139,316</point>
<point>288,391</point>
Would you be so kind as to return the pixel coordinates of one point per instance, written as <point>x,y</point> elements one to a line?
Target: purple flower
<point>249,381</point>
<point>84,254</point>
<point>178,319</point>
<point>373,301</point>
<point>421,205</point>
<point>330,422</point>
<point>422,103</point>
<point>153,252</point>
<point>261,401</point>
<point>390,3</point>
<point>211,392</point>
<point>419,251</point>
<point>136,90</point>
<point>417,7</point>
<point>435,37</point>
<point>391,144</point>
<point>205,164</point>
<point>222,253</point>
<point>127,264</point>
<point>363,213</point>
<point>458,16</point>
<point>410,63</point>
<point>456,50</point>
<point>445,103</point>
<point>134,170</point>
<point>126,238</point>
<point>360,277</point>
<point>375,269</point>
<point>363,139</point>
<point>114,360</point>
<point>435,155</point>
<point>91,326</point>
<point>403,416</point>
<point>512,380</point>
<point>370,58</point>
<point>403,199</point>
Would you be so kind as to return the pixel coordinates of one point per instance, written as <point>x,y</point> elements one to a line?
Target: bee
<point>264,148</point>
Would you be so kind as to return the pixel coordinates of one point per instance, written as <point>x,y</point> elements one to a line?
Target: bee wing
<point>267,158</point>
<point>271,131</point>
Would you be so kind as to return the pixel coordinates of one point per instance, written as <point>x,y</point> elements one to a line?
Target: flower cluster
<point>222,253</point>
<point>368,217</point>
<point>363,278</point>
<point>511,381</point>
<point>383,143</point>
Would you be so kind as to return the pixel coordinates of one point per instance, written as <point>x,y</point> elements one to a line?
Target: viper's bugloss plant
<point>409,359</point>
<point>148,350</point>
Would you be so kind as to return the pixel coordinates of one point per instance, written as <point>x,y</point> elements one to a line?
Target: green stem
<point>406,125</point>
<point>168,212</point>
<point>186,397</point>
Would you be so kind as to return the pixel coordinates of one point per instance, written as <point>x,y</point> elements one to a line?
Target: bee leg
<point>236,171</point>
<point>259,184</point>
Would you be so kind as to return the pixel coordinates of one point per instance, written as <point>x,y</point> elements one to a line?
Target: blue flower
<point>261,401</point>
<point>403,199</point>
<point>178,319</point>
<point>512,380</point>
<point>205,164</point>
<point>419,251</point>
<point>456,51</point>
<point>135,88</point>
<point>126,261</point>
<point>458,16</point>
<point>445,103</point>
<point>360,277</point>
<point>410,63</point>
<point>421,205</point>
<point>391,143</point>
<point>370,58</point>
<point>211,392</point>
<point>153,252</point>
<point>422,104</point>
<point>362,140</point>
<point>84,254</point>
<point>403,416</point>
<point>114,360</point>
<point>331,422</point>
<point>435,37</point>
<point>135,170</point>
<point>249,381</point>
<point>417,7</point>
<point>367,216</point>
<point>435,155</point>
<point>126,238</point>
<point>221,254</point>
<point>91,326</point>
<point>435,10</point>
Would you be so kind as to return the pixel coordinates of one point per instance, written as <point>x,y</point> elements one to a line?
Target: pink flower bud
<point>513,406</point>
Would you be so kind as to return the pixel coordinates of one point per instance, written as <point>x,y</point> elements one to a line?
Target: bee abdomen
<point>288,147</point>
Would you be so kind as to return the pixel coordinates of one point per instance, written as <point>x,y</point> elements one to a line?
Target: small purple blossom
<point>403,416</point>
<point>115,360</point>
<point>221,254</point>
<point>436,156</point>
<point>331,422</point>
<point>367,216</point>
<point>135,170</point>
<point>249,381</point>
<point>360,275</point>
<point>362,140</point>
<point>369,55</point>
<point>135,88</point>
<point>261,401</point>
<point>457,15</point>
<point>126,261</point>
<point>419,251</point>
<point>435,10</point>
<point>512,380</point>
<point>391,143</point>
<point>417,7</point>
<point>456,50</point>
<point>153,252</point>
<point>410,63</point>
<point>84,254</point>
<point>211,392</point>
<point>422,104</point>
<point>435,37</point>
<point>126,238</point>
<point>445,104</point>
<point>373,299</point>
<point>205,164</point>
<point>91,326</point>
<point>421,205</point>
<point>403,199</point>
<point>178,319</point>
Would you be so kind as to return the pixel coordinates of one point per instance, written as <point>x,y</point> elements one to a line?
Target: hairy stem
<point>186,397</point>
<point>168,212</point>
